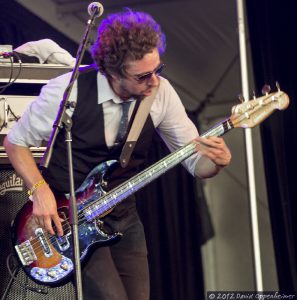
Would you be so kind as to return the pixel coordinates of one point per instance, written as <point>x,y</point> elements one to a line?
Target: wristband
<point>35,187</point>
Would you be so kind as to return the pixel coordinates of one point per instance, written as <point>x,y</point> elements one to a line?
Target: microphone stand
<point>63,120</point>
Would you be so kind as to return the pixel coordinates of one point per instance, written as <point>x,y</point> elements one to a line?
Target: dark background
<point>273,34</point>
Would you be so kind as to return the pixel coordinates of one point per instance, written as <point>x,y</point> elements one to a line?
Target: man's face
<point>141,76</point>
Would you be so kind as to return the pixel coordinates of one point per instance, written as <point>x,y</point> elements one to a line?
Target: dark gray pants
<point>119,272</point>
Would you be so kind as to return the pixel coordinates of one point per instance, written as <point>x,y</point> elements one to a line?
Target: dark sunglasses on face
<point>146,76</point>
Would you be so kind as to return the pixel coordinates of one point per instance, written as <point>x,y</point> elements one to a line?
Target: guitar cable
<point>12,80</point>
<point>43,291</point>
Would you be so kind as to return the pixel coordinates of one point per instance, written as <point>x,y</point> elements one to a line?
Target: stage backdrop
<point>273,33</point>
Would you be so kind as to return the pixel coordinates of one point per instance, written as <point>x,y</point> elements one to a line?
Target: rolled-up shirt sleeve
<point>172,122</point>
<point>35,124</point>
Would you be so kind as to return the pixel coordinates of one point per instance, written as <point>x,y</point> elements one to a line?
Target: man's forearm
<point>205,168</point>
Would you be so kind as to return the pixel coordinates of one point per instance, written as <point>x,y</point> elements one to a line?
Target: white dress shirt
<point>167,113</point>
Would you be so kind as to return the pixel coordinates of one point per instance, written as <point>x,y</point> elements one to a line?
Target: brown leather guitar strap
<point>138,123</point>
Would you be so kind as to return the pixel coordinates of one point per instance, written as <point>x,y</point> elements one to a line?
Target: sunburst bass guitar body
<point>47,259</point>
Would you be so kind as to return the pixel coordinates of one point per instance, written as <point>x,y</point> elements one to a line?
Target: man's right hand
<point>44,202</point>
<point>45,210</point>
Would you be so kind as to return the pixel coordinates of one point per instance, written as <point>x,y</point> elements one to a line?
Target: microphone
<point>95,9</point>
<point>6,54</point>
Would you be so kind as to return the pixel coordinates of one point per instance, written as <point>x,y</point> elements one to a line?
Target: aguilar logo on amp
<point>13,183</point>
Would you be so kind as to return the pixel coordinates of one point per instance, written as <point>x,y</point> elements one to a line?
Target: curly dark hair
<point>126,35</point>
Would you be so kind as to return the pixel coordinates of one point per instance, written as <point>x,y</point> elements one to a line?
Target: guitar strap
<point>138,123</point>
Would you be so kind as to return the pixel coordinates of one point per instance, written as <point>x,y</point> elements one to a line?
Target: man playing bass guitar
<point>127,56</point>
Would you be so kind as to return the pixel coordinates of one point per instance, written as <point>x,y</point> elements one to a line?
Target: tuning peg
<point>241,98</point>
<point>254,95</point>
<point>277,86</point>
<point>266,89</point>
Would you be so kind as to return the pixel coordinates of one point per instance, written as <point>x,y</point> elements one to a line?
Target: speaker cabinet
<point>13,196</point>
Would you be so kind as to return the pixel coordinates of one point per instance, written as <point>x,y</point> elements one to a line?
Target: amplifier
<point>31,73</point>
<point>13,195</point>
<point>11,109</point>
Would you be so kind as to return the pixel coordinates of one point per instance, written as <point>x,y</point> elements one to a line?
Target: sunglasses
<point>147,76</point>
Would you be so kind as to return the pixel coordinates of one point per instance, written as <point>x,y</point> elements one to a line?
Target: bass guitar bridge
<point>26,253</point>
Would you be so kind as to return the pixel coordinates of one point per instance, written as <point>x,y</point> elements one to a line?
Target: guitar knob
<point>52,274</point>
<point>64,266</point>
<point>40,272</point>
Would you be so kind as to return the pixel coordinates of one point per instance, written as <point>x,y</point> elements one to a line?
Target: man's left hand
<point>215,149</point>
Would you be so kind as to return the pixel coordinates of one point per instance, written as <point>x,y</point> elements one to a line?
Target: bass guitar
<point>47,259</point>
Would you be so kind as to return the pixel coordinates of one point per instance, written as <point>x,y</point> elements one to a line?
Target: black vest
<point>88,142</point>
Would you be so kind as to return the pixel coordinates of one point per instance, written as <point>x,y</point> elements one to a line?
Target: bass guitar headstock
<point>253,112</point>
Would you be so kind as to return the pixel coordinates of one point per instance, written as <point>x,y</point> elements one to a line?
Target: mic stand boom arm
<point>64,121</point>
